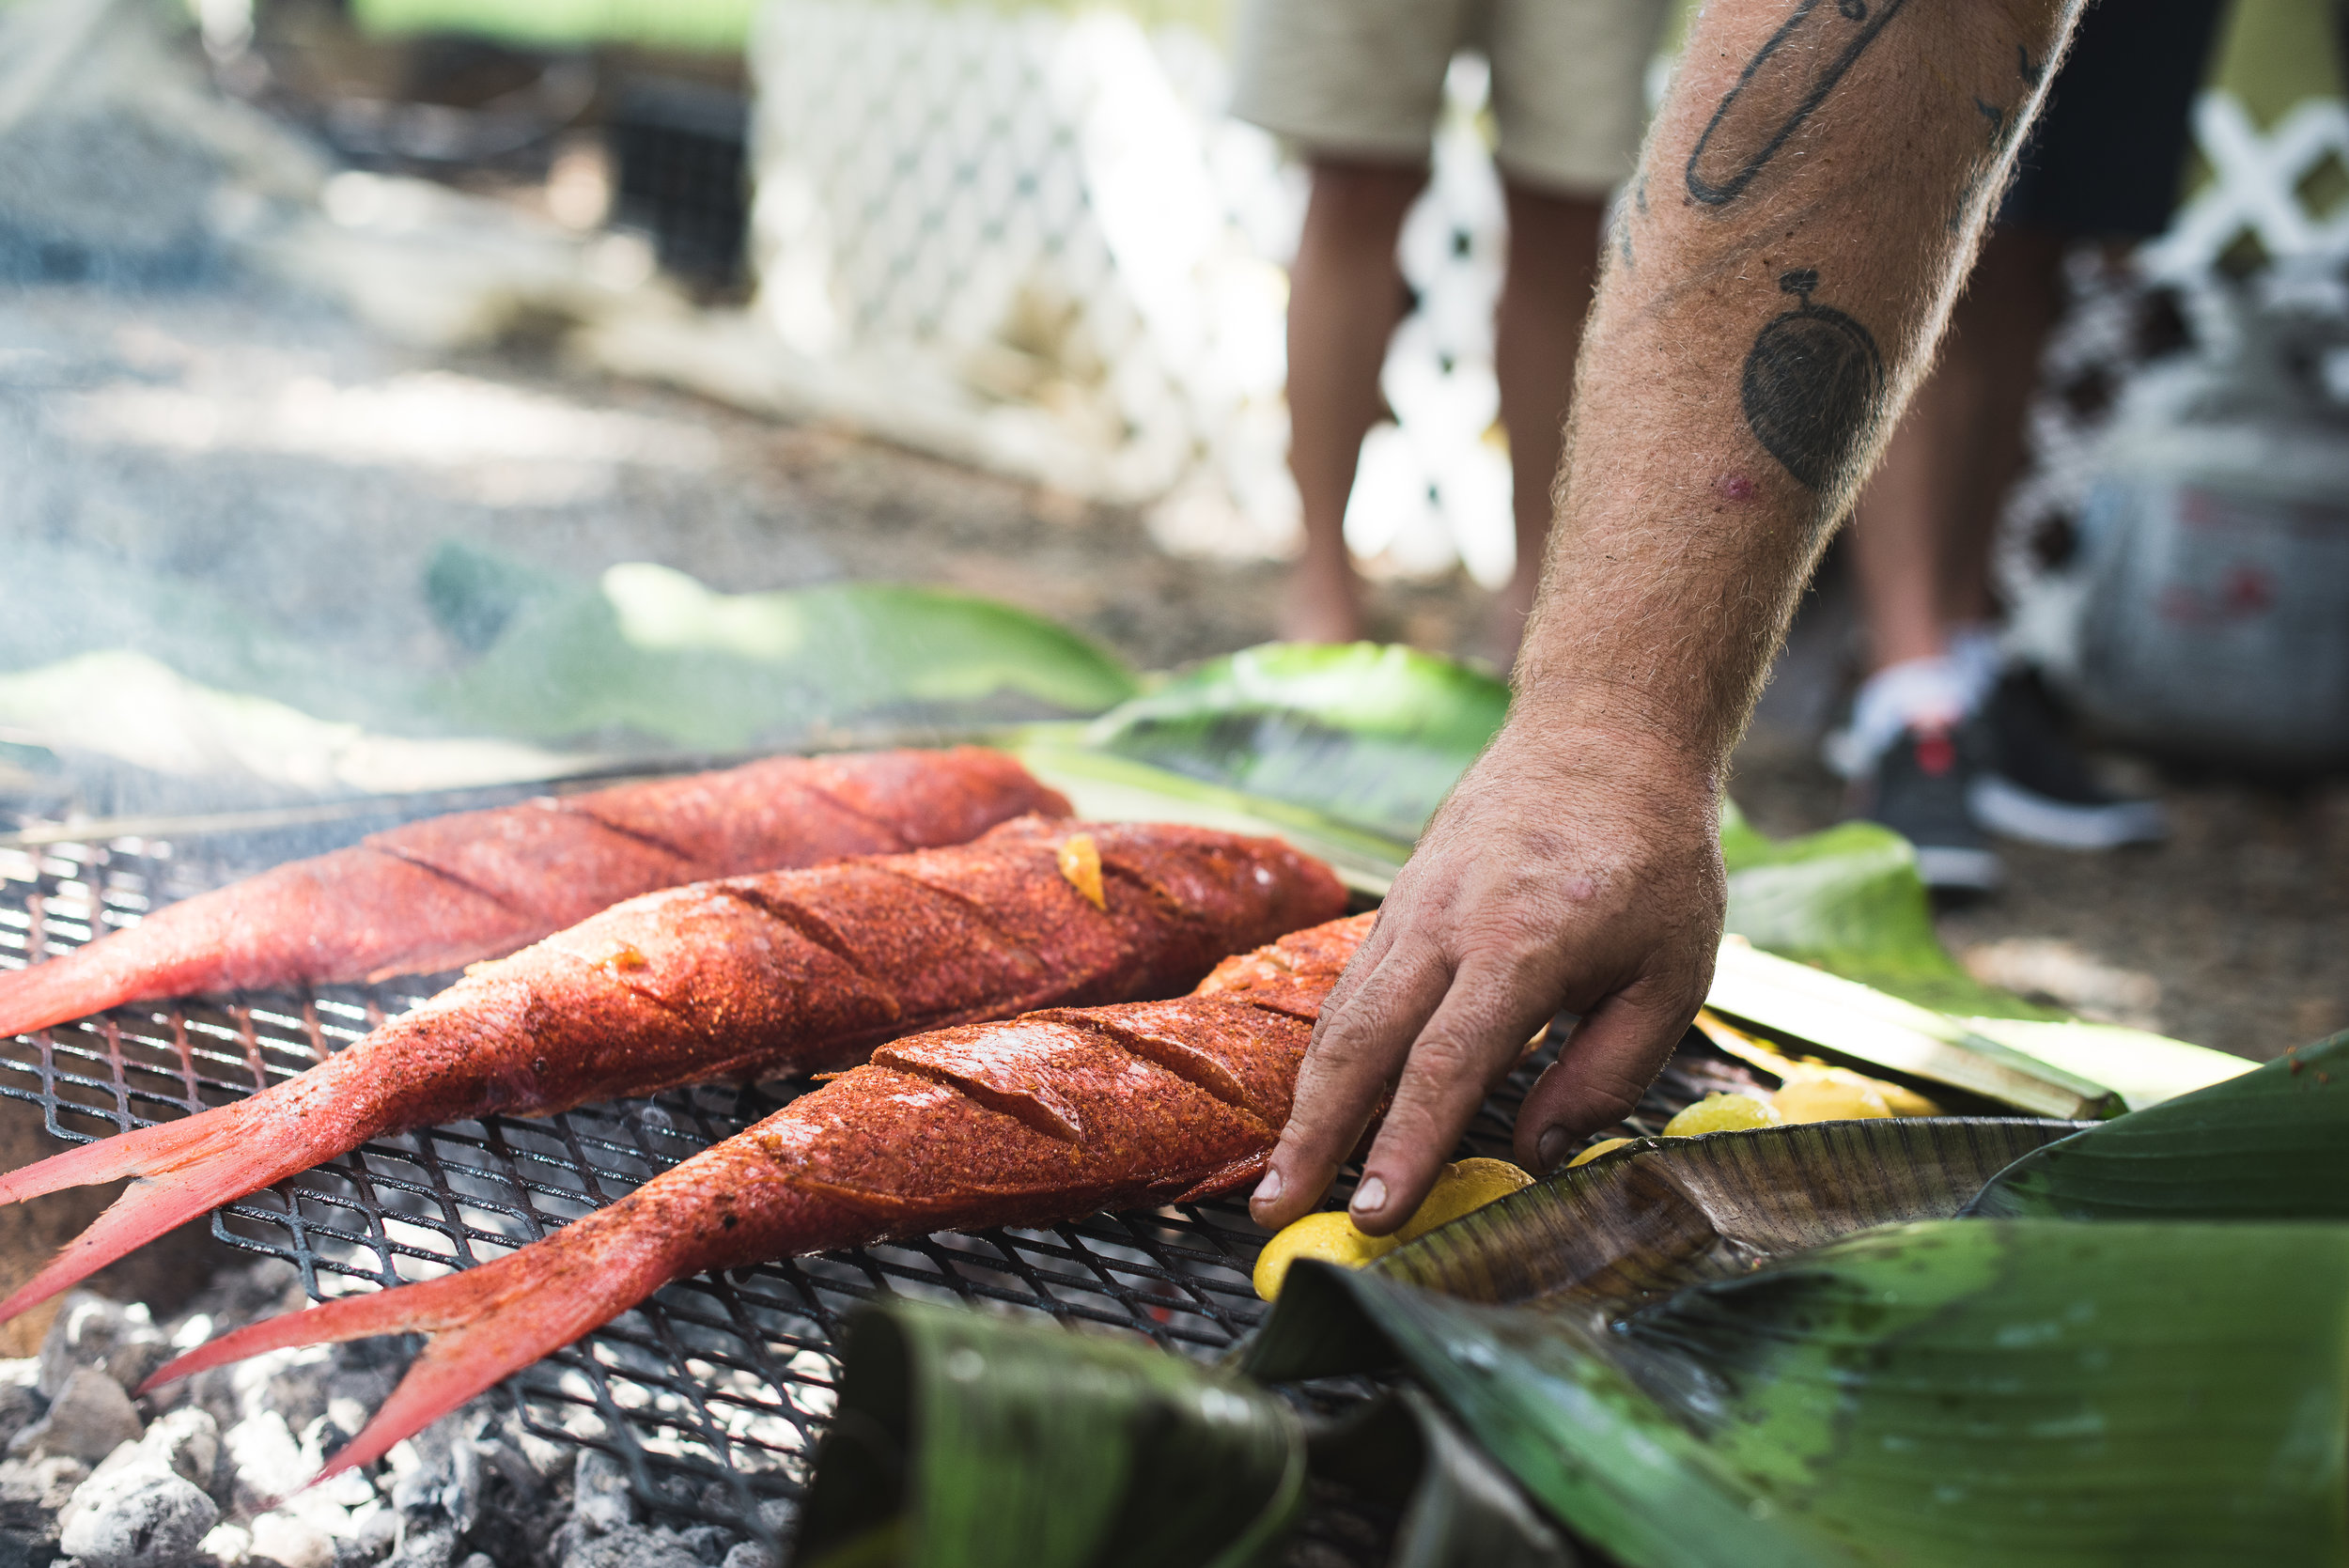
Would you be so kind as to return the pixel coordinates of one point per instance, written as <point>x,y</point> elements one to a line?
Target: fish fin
<point>486,1324</point>
<point>183,1169</point>
<point>1221,1180</point>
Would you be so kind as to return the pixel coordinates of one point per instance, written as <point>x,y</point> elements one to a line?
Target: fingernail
<point>1268,1189</point>
<point>1370,1197</point>
<point>1550,1147</point>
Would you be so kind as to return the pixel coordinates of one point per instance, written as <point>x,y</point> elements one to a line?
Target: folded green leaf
<point>649,650</point>
<point>2270,1144</point>
<point>1539,1394</point>
<point>1371,735</point>
<point>1874,1030</point>
<point>969,1442</point>
<point>1849,900</point>
<point>1940,1393</point>
<point>1462,1509</point>
<point>1643,1220</point>
<point>2143,1068</point>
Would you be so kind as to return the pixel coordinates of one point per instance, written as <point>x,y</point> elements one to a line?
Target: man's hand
<point>1806,207</point>
<point>1569,870</point>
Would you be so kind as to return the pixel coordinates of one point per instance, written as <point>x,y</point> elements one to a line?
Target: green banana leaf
<point>1114,788</point>
<point>2270,1144</point>
<point>1373,737</point>
<point>648,650</point>
<point>1946,1392</point>
<point>1463,1510</point>
<point>2144,1070</point>
<point>1884,1034</point>
<point>975,1440</point>
<point>1848,899</point>
<point>1661,1213</point>
<point>1367,734</point>
<point>970,1441</point>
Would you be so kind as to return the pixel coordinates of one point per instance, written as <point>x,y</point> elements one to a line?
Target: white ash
<point>211,1471</point>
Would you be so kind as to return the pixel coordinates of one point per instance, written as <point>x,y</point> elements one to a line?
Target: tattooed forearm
<point>1813,387</point>
<point>1779,89</point>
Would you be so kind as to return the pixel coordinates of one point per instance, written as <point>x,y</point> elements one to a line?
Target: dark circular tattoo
<point>1812,385</point>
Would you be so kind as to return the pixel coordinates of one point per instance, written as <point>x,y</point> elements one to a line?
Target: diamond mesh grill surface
<point>714,1393</point>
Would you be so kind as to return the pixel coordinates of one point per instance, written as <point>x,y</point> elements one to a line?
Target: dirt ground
<point>265,446</point>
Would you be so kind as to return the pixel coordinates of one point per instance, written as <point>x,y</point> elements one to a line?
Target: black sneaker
<point>1918,788</point>
<point>2036,786</point>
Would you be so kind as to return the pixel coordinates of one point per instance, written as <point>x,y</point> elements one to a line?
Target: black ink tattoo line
<point>1741,137</point>
<point>1814,383</point>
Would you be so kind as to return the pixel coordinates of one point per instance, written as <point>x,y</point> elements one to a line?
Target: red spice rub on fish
<point>742,978</point>
<point>450,890</point>
<point>1042,1119</point>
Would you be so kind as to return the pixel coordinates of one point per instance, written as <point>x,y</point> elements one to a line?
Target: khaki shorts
<point>1364,79</point>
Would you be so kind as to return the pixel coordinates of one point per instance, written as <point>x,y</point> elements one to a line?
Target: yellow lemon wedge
<point>1469,1184</point>
<point>1330,1236</point>
<point>1602,1146</point>
<point>1080,864</point>
<point>1723,1113</point>
<point>1827,1099</point>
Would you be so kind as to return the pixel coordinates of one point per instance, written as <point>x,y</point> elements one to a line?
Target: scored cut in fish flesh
<point>448,890</point>
<point>1041,1118</point>
<point>742,978</point>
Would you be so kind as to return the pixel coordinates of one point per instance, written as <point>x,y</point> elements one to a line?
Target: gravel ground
<point>267,447</point>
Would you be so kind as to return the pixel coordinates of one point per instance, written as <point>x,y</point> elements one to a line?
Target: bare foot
<point>1322,603</point>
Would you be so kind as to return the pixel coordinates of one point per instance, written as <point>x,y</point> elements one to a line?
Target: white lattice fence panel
<point>1055,211</point>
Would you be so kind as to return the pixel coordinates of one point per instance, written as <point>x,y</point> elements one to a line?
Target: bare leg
<point>1553,264</point>
<point>1920,535</point>
<point>1345,295</point>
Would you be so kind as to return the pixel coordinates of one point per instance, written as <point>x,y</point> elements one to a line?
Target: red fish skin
<point>436,895</point>
<point>705,982</point>
<point>1041,1118</point>
<point>737,978</point>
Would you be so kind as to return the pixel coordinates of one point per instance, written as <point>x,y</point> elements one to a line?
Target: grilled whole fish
<point>743,978</point>
<point>447,890</point>
<point>1041,1118</point>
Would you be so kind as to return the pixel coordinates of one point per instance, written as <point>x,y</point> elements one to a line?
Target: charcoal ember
<point>707,1543</point>
<point>21,1405</point>
<point>237,1297</point>
<point>633,1547</point>
<point>229,1545</point>
<point>601,1498</point>
<point>434,1548</point>
<point>32,1495</point>
<point>437,1477</point>
<point>89,1418</point>
<point>187,1441</point>
<point>371,1536</point>
<point>137,1514</point>
<point>776,1517</point>
<point>749,1553</point>
<point>292,1541</point>
<point>265,1463</point>
<point>21,1549</point>
<point>91,1332</point>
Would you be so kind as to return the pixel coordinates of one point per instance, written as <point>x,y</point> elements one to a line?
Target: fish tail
<point>486,1324</point>
<point>182,1168</point>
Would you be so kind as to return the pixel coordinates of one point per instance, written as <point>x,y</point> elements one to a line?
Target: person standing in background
<point>1355,85</point>
<point>1945,742</point>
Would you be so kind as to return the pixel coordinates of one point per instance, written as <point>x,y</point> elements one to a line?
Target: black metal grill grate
<point>713,1392</point>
